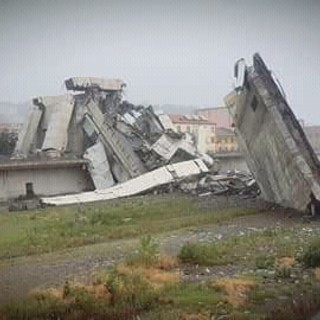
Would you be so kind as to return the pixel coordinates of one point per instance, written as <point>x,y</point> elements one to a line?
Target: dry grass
<point>287,262</point>
<point>52,292</point>
<point>317,273</point>
<point>198,316</point>
<point>98,291</point>
<point>167,263</point>
<point>154,276</point>
<point>236,289</point>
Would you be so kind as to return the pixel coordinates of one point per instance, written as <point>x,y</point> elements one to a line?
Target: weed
<point>311,257</point>
<point>155,277</point>
<point>35,308</point>
<point>194,296</point>
<point>130,290</point>
<point>204,254</point>
<point>264,262</point>
<point>316,272</point>
<point>285,261</point>
<point>148,253</point>
<point>167,263</point>
<point>66,289</point>
<point>299,307</point>
<point>236,289</point>
<point>283,272</point>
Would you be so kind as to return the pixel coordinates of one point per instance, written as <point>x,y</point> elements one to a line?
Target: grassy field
<point>260,248</point>
<point>276,271</point>
<point>51,229</point>
<point>147,286</point>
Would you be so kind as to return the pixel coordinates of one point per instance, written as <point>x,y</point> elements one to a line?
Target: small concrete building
<point>29,178</point>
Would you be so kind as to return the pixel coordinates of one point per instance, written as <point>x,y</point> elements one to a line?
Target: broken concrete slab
<point>272,140</point>
<point>115,142</point>
<point>99,167</point>
<point>84,83</point>
<point>147,181</point>
<point>57,112</point>
<point>27,134</point>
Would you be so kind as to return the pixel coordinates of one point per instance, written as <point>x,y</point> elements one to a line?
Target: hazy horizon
<point>168,52</point>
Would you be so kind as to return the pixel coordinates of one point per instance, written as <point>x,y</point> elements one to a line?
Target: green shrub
<point>148,253</point>
<point>205,254</point>
<point>190,253</point>
<point>265,262</point>
<point>311,257</point>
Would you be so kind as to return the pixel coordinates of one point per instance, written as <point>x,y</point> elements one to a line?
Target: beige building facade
<point>225,141</point>
<point>219,115</point>
<point>209,137</point>
<point>199,127</point>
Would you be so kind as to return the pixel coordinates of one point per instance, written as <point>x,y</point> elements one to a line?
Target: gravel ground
<point>19,275</point>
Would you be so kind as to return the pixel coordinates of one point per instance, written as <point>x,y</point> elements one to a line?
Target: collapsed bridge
<point>126,149</point>
<point>115,140</point>
<point>270,137</point>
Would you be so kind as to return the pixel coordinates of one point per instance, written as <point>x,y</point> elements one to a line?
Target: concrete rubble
<point>128,149</point>
<point>275,147</point>
<point>145,182</point>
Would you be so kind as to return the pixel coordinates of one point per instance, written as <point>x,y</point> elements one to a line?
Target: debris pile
<point>128,148</point>
<point>270,137</point>
<point>232,183</point>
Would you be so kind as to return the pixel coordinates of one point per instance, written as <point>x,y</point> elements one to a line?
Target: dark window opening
<point>254,103</point>
<point>313,207</point>
<point>29,190</point>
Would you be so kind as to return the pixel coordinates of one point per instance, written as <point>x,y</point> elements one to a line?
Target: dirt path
<point>19,275</point>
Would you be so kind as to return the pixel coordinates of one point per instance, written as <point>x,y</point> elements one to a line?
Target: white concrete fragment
<point>166,122</point>
<point>240,72</point>
<point>27,134</point>
<point>82,83</point>
<point>166,147</point>
<point>58,112</point>
<point>147,181</point>
<point>115,142</point>
<point>99,167</point>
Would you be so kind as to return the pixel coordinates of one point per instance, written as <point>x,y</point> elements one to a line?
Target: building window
<point>178,128</point>
<point>212,139</point>
<point>29,190</point>
<point>188,129</point>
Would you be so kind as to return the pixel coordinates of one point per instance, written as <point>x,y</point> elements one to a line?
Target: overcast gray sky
<point>178,52</point>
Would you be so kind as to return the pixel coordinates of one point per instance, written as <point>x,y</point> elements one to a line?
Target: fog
<point>168,52</point>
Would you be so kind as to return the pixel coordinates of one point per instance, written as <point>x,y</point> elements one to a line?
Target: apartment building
<point>199,127</point>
